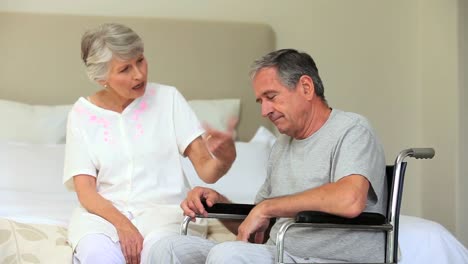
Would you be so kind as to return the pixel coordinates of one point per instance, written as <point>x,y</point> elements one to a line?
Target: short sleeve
<point>265,189</point>
<point>263,192</point>
<point>77,157</point>
<point>361,153</point>
<point>187,127</point>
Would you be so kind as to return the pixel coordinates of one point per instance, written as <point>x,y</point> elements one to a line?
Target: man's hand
<point>255,223</point>
<point>192,205</point>
<point>131,242</point>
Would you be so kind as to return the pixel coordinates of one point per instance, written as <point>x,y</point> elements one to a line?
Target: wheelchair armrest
<point>226,208</point>
<point>320,217</point>
<point>234,211</point>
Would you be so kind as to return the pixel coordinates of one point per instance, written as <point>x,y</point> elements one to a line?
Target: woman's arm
<point>213,154</point>
<point>94,203</point>
<point>210,168</point>
<point>131,241</point>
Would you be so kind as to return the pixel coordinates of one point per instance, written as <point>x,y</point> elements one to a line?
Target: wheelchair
<point>388,223</point>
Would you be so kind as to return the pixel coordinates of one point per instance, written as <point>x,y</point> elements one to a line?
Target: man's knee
<point>98,248</point>
<point>163,247</point>
<point>180,249</point>
<point>167,250</point>
<point>240,252</point>
<point>227,252</point>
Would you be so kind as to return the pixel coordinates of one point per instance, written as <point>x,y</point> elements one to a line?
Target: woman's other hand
<point>213,154</point>
<point>221,143</point>
<point>131,242</point>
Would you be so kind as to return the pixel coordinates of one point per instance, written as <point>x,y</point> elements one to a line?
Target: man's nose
<point>266,109</point>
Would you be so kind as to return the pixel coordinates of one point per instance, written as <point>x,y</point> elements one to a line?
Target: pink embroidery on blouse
<point>99,121</point>
<point>136,116</point>
<point>80,109</point>
<point>143,106</point>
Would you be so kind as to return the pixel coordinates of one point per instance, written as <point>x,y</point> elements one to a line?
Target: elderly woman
<point>122,153</point>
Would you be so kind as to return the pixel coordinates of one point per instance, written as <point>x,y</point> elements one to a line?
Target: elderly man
<point>325,160</point>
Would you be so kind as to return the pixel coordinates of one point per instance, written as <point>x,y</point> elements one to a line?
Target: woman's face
<point>127,78</point>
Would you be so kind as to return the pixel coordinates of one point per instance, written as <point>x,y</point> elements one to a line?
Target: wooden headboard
<point>41,61</point>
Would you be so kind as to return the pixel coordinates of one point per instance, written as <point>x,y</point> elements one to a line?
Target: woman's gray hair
<point>100,44</point>
<point>290,65</point>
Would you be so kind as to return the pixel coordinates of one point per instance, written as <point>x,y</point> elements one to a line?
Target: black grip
<point>227,208</point>
<point>320,217</point>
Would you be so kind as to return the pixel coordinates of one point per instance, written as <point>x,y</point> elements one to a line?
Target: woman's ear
<point>103,83</point>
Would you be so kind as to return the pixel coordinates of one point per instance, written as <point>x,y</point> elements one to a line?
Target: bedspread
<point>24,243</point>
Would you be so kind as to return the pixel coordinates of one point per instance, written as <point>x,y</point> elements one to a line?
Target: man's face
<point>284,107</point>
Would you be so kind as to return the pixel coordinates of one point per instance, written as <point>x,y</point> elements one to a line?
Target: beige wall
<point>440,93</point>
<point>392,61</point>
<point>462,207</point>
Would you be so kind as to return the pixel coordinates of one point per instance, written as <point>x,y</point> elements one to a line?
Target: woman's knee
<point>98,248</point>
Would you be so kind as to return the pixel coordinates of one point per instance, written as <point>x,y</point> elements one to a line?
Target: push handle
<point>422,153</point>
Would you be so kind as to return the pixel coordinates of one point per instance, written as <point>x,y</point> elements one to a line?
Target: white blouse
<point>135,157</point>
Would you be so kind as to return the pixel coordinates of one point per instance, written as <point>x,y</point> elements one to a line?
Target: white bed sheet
<point>424,241</point>
<point>38,208</point>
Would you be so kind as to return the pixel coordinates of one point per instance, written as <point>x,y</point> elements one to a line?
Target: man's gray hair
<point>100,44</point>
<point>290,65</point>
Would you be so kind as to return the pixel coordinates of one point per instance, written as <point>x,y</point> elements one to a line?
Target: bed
<point>208,62</point>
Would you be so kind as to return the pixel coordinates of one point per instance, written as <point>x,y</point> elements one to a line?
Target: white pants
<point>196,250</point>
<point>99,248</point>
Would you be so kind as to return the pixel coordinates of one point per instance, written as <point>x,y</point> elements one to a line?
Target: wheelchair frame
<point>365,221</point>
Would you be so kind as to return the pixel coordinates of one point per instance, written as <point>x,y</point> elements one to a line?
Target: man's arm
<point>347,198</point>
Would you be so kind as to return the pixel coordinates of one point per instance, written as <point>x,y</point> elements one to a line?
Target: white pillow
<point>47,124</point>
<point>31,167</point>
<point>33,123</point>
<point>247,174</point>
<point>216,113</point>
<point>264,135</point>
<point>31,189</point>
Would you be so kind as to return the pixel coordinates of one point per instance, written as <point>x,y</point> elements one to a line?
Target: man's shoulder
<point>349,119</point>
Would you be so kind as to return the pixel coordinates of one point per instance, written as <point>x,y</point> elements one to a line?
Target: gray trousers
<point>196,250</point>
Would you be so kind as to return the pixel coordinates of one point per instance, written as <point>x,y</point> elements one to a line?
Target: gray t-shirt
<point>346,144</point>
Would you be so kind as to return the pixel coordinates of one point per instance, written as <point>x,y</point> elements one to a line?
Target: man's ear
<point>307,87</point>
